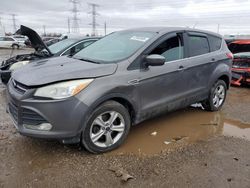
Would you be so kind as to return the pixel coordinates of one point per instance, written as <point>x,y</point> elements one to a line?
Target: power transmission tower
<point>75,25</point>
<point>14,22</point>
<point>105,28</point>
<point>94,14</point>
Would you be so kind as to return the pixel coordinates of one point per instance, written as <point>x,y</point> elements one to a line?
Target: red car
<point>241,62</point>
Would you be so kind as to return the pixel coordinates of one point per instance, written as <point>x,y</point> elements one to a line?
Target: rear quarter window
<point>215,43</point>
<point>198,45</point>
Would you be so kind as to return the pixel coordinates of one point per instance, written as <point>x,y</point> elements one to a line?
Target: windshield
<point>61,45</point>
<point>19,39</point>
<point>114,47</point>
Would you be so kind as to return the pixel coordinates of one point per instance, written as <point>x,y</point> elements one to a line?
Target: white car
<point>10,42</point>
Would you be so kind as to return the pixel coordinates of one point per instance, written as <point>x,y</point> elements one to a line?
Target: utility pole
<point>14,22</point>
<point>75,25</point>
<point>68,25</point>
<point>44,30</point>
<point>195,25</point>
<point>105,28</point>
<point>94,14</point>
<point>218,28</point>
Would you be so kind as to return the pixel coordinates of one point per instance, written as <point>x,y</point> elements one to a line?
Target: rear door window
<point>198,45</point>
<point>214,42</point>
<point>8,39</point>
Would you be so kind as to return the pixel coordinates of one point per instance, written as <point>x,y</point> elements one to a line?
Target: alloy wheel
<point>219,96</point>
<point>107,129</point>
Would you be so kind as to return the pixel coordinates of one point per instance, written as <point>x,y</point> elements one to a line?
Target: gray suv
<point>123,79</point>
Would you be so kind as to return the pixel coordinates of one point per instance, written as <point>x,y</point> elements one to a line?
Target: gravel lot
<point>187,148</point>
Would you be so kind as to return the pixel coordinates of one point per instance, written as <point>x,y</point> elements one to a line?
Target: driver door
<point>161,88</point>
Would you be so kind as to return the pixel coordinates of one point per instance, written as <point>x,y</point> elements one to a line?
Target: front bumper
<point>66,116</point>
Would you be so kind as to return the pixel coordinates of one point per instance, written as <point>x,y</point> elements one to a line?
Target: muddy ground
<point>187,148</point>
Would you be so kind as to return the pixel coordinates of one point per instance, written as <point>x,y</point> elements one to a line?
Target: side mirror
<point>155,60</point>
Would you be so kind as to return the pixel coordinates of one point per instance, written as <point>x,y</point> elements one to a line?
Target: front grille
<point>30,117</point>
<point>241,63</point>
<point>25,116</point>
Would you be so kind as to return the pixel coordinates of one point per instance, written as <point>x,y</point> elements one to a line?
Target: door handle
<point>134,82</point>
<point>181,68</point>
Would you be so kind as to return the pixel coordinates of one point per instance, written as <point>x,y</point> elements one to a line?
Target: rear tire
<point>216,98</point>
<point>107,128</point>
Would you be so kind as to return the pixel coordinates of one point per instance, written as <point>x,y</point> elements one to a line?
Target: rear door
<point>197,68</point>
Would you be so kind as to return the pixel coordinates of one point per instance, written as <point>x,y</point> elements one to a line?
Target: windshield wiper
<point>89,60</point>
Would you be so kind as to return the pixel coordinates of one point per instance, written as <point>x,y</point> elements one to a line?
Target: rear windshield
<point>61,45</point>
<point>115,47</point>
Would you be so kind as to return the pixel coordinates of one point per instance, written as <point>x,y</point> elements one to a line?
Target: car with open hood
<point>42,51</point>
<point>241,62</point>
<point>128,76</point>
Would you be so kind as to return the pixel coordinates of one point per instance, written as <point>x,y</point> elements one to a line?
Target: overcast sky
<point>233,16</point>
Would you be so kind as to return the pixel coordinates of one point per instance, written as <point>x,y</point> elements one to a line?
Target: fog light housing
<point>40,127</point>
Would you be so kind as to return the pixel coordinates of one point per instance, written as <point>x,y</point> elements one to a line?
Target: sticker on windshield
<point>141,39</point>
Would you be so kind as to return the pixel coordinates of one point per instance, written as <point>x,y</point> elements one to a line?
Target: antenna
<point>75,25</point>
<point>94,14</point>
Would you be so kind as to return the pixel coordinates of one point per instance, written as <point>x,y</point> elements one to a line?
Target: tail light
<point>230,55</point>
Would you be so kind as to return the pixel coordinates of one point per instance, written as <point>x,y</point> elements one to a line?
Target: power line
<point>94,14</point>
<point>75,25</point>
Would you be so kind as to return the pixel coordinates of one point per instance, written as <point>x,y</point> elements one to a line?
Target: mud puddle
<point>182,127</point>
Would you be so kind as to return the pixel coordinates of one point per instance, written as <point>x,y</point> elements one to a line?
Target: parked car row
<point>12,42</point>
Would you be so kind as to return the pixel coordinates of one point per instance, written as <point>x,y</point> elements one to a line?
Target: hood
<point>34,38</point>
<point>59,69</point>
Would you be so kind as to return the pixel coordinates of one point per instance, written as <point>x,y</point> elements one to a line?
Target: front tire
<point>107,128</point>
<point>216,97</point>
<point>15,46</point>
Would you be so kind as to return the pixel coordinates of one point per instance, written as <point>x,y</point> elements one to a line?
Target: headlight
<point>63,90</point>
<point>19,64</point>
